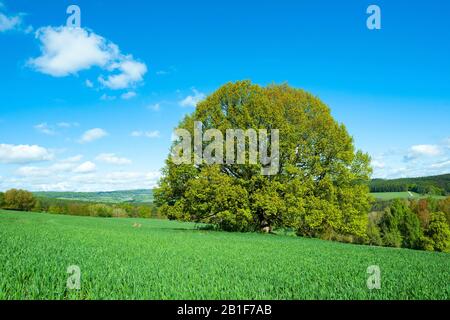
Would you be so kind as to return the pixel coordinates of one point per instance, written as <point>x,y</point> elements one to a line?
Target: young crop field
<point>172,260</point>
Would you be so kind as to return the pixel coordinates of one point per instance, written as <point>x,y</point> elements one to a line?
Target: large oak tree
<point>320,190</point>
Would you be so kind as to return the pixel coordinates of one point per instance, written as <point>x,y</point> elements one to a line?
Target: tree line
<point>22,200</point>
<point>436,185</point>
<point>415,224</point>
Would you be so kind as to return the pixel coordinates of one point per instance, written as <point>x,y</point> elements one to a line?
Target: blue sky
<point>94,109</point>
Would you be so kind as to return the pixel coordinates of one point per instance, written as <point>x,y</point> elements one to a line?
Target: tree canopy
<point>19,200</point>
<point>321,188</point>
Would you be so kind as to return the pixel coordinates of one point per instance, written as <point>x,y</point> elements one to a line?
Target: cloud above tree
<point>67,51</point>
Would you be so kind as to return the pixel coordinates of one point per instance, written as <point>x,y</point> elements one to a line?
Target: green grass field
<point>402,195</point>
<point>173,260</point>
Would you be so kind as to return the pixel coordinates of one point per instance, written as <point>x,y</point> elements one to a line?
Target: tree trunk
<point>265,227</point>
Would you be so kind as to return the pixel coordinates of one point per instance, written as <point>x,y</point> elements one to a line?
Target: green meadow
<point>402,195</point>
<point>172,260</point>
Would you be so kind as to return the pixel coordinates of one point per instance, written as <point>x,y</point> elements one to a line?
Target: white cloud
<point>33,172</point>
<point>193,100</point>
<point>154,107</point>
<point>86,182</point>
<point>170,70</point>
<point>45,129</point>
<point>447,142</point>
<point>89,83</point>
<point>28,29</point>
<point>85,167</point>
<point>105,97</point>
<point>417,161</point>
<point>64,124</point>
<point>426,149</point>
<point>153,134</point>
<point>148,134</point>
<point>92,135</point>
<point>128,95</point>
<point>391,172</point>
<point>69,175</point>
<point>62,166</point>
<point>23,153</point>
<point>30,171</point>
<point>111,158</point>
<point>73,159</point>
<point>121,180</point>
<point>45,186</point>
<point>377,164</point>
<point>441,165</point>
<point>423,150</point>
<point>9,23</point>
<point>66,51</point>
<point>130,73</point>
<point>67,124</point>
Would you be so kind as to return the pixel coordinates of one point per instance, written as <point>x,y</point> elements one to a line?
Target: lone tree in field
<point>321,186</point>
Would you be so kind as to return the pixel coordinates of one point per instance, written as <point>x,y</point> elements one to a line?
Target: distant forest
<point>434,185</point>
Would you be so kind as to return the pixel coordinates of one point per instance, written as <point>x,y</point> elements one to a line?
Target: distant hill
<point>433,185</point>
<point>127,196</point>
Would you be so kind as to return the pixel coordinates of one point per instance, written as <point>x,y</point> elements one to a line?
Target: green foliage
<point>53,209</point>
<point>410,229</point>
<point>173,260</point>
<point>229,209</point>
<point>2,199</point>
<point>416,224</point>
<point>422,209</point>
<point>426,243</point>
<point>373,231</point>
<point>373,234</point>
<point>389,229</point>
<point>100,210</point>
<point>438,233</point>
<point>444,206</point>
<point>400,226</point>
<point>321,189</point>
<point>37,206</point>
<point>268,205</point>
<point>19,200</point>
<point>174,185</point>
<point>174,212</point>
